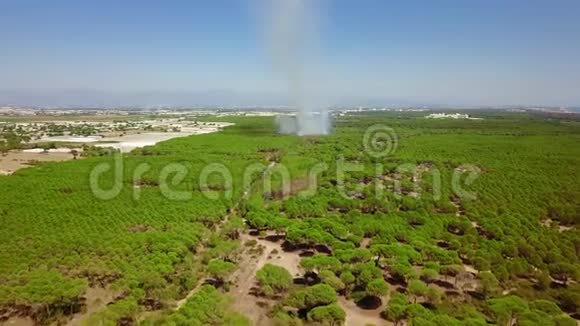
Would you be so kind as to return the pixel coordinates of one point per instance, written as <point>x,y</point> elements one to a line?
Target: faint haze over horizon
<point>374,52</point>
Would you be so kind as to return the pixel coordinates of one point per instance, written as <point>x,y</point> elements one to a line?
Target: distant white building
<point>450,116</point>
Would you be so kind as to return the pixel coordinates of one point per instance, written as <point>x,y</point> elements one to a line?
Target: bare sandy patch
<point>549,223</point>
<point>355,316</point>
<point>97,299</point>
<point>15,160</point>
<point>470,269</point>
<point>365,243</point>
<point>19,321</point>
<point>252,259</point>
<point>256,308</point>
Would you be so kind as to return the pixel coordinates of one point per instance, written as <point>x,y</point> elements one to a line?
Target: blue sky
<point>474,52</point>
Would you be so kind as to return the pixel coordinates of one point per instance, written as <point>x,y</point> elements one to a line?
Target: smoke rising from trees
<point>292,37</point>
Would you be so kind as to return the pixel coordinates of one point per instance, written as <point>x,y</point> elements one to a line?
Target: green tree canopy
<point>417,289</point>
<point>276,277</point>
<point>489,284</point>
<point>331,279</point>
<point>320,262</point>
<point>396,310</point>
<point>220,269</point>
<point>330,314</point>
<point>377,287</point>
<point>313,296</point>
<point>506,309</point>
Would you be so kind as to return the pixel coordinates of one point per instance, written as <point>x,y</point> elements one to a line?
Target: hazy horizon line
<point>81,97</point>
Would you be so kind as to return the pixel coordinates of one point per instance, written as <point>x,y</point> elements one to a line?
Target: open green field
<point>461,222</point>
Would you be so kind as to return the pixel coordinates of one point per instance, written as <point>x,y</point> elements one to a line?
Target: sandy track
<point>244,278</point>
<point>97,300</point>
<point>246,302</point>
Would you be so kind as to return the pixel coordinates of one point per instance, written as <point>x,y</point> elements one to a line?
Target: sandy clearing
<point>288,260</point>
<point>97,298</point>
<point>128,143</point>
<point>356,316</point>
<point>52,150</point>
<point>19,321</point>
<point>470,269</point>
<point>549,223</point>
<point>15,160</point>
<point>245,277</point>
<point>365,243</point>
<point>69,139</point>
<point>245,281</point>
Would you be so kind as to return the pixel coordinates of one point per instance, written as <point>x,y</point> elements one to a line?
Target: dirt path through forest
<point>256,308</point>
<point>244,279</point>
<point>244,285</point>
<point>183,301</point>
<point>224,221</point>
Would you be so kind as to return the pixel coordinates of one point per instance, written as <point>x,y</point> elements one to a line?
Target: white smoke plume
<point>292,26</point>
